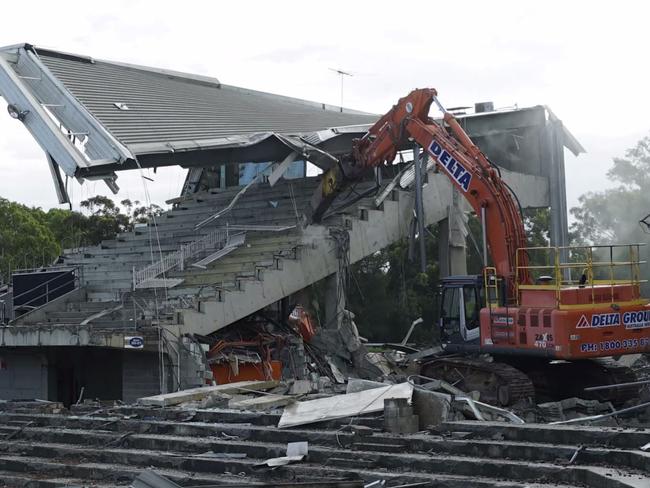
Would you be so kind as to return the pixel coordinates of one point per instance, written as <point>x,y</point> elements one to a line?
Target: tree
<point>387,292</point>
<point>107,219</point>
<point>613,215</point>
<point>70,229</point>
<point>537,222</point>
<point>144,214</point>
<point>31,237</point>
<point>25,239</point>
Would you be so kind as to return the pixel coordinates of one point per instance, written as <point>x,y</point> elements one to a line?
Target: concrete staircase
<point>268,267</point>
<point>103,447</point>
<point>253,278</point>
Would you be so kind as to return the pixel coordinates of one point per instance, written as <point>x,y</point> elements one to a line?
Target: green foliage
<point>140,214</point>
<point>30,237</point>
<point>70,229</point>
<point>537,222</point>
<point>612,215</point>
<point>25,239</point>
<point>388,291</point>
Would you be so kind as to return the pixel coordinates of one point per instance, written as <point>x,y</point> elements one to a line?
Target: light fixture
<point>15,113</point>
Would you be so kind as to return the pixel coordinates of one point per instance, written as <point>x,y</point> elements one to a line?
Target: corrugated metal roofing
<point>183,119</point>
<point>165,108</point>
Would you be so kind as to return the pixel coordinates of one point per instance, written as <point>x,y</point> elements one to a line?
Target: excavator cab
<point>461,300</point>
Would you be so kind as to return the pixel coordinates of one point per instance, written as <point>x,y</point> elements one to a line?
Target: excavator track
<point>616,374</point>
<point>508,380</point>
<point>498,383</point>
<point>566,379</point>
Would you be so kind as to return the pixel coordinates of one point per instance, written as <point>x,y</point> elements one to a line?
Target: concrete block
<point>342,406</point>
<point>399,417</point>
<point>300,387</point>
<point>265,402</point>
<point>402,425</point>
<point>432,408</point>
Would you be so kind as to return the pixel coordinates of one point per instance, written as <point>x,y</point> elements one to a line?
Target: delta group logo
<point>632,320</point>
<point>637,320</point>
<point>453,167</point>
<point>599,320</point>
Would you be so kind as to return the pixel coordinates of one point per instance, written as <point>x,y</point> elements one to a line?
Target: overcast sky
<point>586,60</point>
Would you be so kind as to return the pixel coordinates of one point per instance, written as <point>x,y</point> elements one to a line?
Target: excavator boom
<point>454,153</point>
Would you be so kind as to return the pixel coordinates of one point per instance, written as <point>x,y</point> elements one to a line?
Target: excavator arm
<point>455,155</point>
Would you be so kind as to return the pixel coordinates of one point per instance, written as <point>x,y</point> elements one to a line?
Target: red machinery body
<point>565,334</point>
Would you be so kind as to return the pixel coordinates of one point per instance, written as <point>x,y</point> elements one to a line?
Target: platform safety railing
<point>491,285</point>
<point>600,268</point>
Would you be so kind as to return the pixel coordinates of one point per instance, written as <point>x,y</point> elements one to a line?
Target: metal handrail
<point>46,283</point>
<point>39,269</point>
<point>217,237</point>
<point>559,270</point>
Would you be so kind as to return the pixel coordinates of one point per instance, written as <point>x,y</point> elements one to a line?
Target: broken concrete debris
<point>262,403</point>
<point>296,451</point>
<point>196,394</point>
<point>293,347</point>
<point>399,417</point>
<point>151,479</point>
<point>342,406</point>
<point>328,405</point>
<point>431,407</point>
<point>595,418</point>
<point>396,432</point>
<point>149,445</point>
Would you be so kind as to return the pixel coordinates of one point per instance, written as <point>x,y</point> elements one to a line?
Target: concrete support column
<point>334,301</point>
<point>452,251</point>
<point>554,155</point>
<point>140,375</point>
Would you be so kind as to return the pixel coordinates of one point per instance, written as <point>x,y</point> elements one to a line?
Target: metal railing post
<point>611,274</point>
<point>558,276</point>
<point>590,273</point>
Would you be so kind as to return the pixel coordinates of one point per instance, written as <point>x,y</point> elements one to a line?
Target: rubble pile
<point>299,362</point>
<point>293,404</point>
<point>266,348</point>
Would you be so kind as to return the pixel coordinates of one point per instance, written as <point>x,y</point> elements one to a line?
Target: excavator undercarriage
<point>507,380</point>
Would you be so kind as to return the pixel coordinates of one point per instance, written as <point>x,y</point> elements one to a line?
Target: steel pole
<point>484,231</point>
<point>419,207</point>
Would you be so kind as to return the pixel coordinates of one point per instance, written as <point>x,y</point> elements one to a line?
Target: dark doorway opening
<point>97,372</point>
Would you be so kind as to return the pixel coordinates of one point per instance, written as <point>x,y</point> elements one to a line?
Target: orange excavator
<point>547,317</point>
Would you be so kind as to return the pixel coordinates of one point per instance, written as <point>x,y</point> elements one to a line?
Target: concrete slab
<point>342,406</point>
<point>194,394</point>
<point>300,387</point>
<point>266,402</point>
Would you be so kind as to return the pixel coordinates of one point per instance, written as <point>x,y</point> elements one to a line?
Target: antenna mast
<point>342,74</point>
